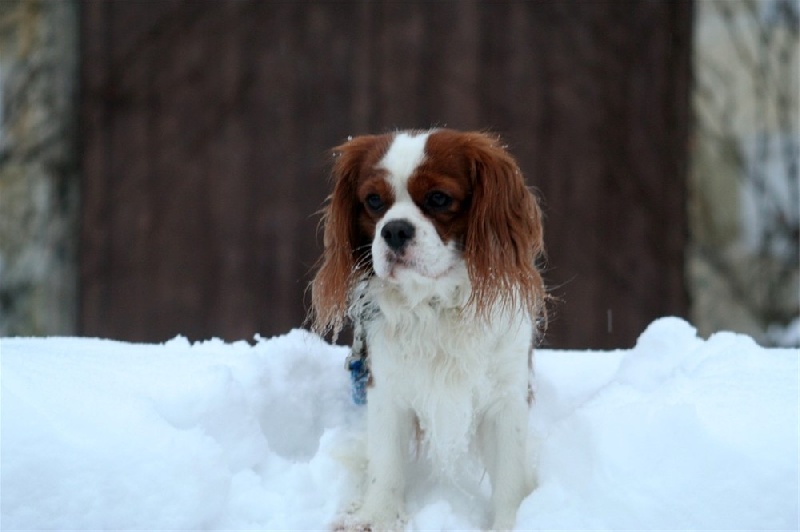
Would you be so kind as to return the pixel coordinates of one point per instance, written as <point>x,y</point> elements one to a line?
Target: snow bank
<point>675,433</point>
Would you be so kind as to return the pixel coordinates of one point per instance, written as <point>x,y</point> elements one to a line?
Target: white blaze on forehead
<point>406,152</point>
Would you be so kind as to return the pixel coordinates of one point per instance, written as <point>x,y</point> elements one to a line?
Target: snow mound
<point>676,433</point>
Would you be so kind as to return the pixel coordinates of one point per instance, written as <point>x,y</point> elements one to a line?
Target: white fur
<point>402,158</point>
<point>464,378</point>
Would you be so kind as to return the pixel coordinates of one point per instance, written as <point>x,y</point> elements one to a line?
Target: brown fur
<point>495,218</point>
<point>345,244</point>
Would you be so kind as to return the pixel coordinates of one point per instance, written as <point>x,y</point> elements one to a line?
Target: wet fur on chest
<point>444,365</point>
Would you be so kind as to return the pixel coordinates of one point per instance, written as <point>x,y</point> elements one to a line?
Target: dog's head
<point>421,207</point>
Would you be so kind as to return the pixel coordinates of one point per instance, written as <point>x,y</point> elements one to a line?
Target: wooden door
<point>206,125</point>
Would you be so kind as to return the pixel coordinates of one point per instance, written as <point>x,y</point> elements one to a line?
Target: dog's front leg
<point>504,435</point>
<point>388,435</point>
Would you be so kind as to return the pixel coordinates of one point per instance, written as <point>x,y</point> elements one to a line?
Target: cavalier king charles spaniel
<point>431,248</point>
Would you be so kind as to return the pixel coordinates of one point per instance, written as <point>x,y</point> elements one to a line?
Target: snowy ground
<point>677,433</point>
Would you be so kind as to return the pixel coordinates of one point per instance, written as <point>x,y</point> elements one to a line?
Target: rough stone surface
<point>738,279</point>
<point>39,181</point>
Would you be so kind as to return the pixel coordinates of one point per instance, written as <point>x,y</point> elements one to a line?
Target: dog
<point>432,243</point>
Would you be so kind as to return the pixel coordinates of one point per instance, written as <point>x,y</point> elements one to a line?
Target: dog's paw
<point>348,524</point>
<point>359,520</point>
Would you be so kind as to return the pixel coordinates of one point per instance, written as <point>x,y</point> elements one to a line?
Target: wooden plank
<point>94,118</point>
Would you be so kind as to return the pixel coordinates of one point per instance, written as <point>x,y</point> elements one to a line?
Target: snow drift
<point>676,433</point>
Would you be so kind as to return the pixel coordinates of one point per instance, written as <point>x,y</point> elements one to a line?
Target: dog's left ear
<point>504,237</point>
<point>342,260</point>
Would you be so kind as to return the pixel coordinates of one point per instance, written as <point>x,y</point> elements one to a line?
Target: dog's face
<point>417,207</point>
<point>413,209</point>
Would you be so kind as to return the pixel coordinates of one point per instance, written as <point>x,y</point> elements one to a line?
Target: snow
<point>676,433</point>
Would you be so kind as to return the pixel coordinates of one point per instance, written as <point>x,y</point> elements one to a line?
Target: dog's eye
<point>438,201</point>
<point>374,202</point>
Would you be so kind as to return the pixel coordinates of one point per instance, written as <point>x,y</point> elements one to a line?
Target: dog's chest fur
<point>442,364</point>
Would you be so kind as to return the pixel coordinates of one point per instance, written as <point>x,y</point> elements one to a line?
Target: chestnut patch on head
<point>441,188</point>
<point>375,197</point>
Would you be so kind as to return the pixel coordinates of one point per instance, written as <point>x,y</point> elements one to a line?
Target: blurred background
<point>162,163</point>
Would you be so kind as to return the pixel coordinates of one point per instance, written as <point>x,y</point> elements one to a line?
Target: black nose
<point>397,234</point>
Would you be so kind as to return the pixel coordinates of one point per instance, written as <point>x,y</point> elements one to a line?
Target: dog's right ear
<point>344,258</point>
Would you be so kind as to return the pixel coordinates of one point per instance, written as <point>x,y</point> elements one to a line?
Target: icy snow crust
<point>676,433</point>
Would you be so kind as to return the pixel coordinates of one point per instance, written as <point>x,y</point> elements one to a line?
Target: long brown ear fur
<point>504,237</point>
<point>342,263</point>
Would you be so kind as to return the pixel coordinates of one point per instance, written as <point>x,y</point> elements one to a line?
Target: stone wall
<point>743,262</point>
<point>39,181</point>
